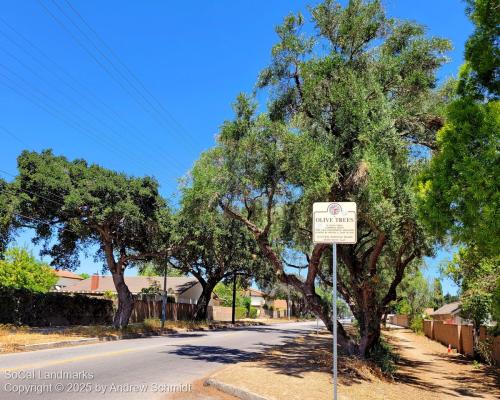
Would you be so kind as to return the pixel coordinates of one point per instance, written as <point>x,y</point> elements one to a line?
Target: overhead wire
<point>131,73</point>
<point>71,99</point>
<point>142,100</point>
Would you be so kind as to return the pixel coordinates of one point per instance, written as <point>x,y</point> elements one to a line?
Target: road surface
<point>148,368</point>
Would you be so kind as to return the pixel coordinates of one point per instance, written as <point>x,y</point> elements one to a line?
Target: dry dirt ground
<point>302,370</point>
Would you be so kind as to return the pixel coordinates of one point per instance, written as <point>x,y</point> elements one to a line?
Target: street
<point>146,368</point>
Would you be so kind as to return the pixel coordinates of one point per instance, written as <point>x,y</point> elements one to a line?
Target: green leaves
<point>481,50</point>
<point>84,205</point>
<point>459,190</point>
<point>21,270</point>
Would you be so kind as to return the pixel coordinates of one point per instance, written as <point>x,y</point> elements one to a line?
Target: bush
<point>417,324</point>
<point>24,307</point>
<point>384,356</point>
<point>485,351</point>
<point>252,313</point>
<point>240,312</point>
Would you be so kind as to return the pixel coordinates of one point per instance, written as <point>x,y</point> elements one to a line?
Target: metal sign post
<point>334,321</point>
<point>334,223</point>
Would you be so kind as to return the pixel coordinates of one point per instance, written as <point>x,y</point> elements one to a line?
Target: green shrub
<point>240,312</point>
<point>417,325</point>
<point>253,312</point>
<point>384,356</point>
<point>24,307</point>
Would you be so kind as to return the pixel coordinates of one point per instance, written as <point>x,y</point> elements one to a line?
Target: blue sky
<point>58,91</point>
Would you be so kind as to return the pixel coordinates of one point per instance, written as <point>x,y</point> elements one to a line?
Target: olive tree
<point>348,108</point>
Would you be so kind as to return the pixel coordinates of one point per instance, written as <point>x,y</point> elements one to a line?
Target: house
<point>449,313</point>
<point>257,298</point>
<point>65,279</point>
<point>184,289</point>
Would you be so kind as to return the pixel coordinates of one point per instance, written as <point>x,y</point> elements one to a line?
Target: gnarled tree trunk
<point>125,301</point>
<point>201,312</point>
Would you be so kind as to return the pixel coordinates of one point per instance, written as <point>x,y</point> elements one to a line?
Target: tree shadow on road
<point>216,354</point>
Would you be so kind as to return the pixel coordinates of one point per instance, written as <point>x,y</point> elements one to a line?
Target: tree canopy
<point>19,269</point>
<point>341,126</point>
<point>86,207</point>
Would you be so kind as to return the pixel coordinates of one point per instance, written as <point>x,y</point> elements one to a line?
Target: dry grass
<point>14,338</point>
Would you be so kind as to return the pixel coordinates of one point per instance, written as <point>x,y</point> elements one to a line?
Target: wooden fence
<point>145,308</point>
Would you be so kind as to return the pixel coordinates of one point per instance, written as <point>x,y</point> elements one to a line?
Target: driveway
<point>146,368</point>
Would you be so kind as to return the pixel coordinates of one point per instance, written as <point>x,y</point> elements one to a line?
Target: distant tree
<point>73,206</point>
<point>224,292</point>
<point>208,244</point>
<point>84,275</point>
<point>450,298</point>
<point>477,277</point>
<point>414,295</point>
<point>157,268</point>
<point>437,295</point>
<point>21,270</point>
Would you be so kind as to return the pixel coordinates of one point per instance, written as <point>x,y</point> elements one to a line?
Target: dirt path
<point>425,364</point>
<point>301,369</point>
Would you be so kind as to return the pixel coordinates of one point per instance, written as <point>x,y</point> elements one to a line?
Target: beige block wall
<point>459,336</point>
<point>400,320</point>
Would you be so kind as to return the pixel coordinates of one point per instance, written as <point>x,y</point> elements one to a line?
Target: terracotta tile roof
<point>67,274</point>
<point>134,283</point>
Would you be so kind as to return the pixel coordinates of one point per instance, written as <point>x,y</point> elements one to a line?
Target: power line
<point>75,122</point>
<point>34,194</point>
<point>131,73</point>
<point>94,100</point>
<point>102,65</point>
<point>11,134</point>
<point>90,113</point>
<point>41,221</point>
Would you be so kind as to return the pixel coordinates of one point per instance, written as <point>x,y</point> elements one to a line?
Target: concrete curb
<point>52,345</point>
<point>93,340</point>
<point>233,390</point>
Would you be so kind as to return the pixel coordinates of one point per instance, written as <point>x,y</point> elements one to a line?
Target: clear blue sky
<point>194,57</point>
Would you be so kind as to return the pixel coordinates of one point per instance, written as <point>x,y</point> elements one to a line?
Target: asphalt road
<point>148,368</point>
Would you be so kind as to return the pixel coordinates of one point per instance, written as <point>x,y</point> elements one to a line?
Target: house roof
<point>67,274</point>
<point>451,308</point>
<point>255,292</point>
<point>135,284</point>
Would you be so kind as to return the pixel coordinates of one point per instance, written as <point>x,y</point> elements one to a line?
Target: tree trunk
<point>314,304</point>
<point>125,301</point>
<point>476,332</point>
<point>369,319</point>
<point>201,312</point>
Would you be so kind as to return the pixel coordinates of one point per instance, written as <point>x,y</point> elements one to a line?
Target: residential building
<point>448,313</point>
<point>184,289</point>
<point>66,279</point>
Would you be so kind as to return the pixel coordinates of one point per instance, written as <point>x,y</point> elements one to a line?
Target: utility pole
<point>164,299</point>
<point>233,311</point>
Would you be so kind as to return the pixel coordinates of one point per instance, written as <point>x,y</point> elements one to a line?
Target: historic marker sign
<point>334,222</point>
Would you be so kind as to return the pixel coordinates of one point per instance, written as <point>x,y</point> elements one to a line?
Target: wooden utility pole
<point>233,311</point>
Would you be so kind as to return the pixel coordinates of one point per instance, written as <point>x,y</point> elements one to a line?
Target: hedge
<point>240,312</point>
<point>23,307</point>
<point>253,312</point>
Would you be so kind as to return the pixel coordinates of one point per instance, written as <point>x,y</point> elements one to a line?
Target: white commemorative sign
<point>334,222</point>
